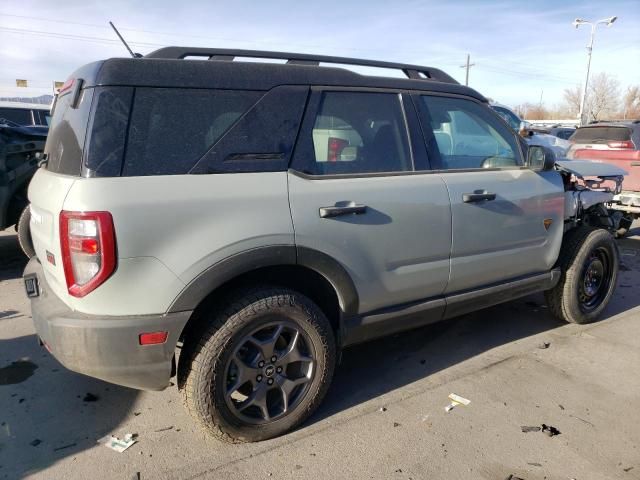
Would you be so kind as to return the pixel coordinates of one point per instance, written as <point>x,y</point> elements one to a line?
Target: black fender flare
<point>269,256</point>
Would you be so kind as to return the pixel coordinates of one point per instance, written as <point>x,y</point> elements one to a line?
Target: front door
<point>355,196</point>
<point>507,220</point>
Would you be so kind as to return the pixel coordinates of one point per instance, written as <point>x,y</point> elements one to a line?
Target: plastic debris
<point>455,401</point>
<point>544,345</point>
<point>114,443</point>
<point>382,409</point>
<point>549,430</point>
<point>526,429</point>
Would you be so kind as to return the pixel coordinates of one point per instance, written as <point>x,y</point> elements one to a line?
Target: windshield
<point>510,117</point>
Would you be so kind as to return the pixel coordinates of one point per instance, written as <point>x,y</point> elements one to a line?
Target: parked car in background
<point>561,132</point>
<point>532,136</point>
<point>19,147</point>
<point>616,143</point>
<point>25,113</point>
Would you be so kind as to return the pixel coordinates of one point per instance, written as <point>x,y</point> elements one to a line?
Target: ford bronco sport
<point>259,217</point>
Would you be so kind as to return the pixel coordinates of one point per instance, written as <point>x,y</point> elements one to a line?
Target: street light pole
<point>576,23</point>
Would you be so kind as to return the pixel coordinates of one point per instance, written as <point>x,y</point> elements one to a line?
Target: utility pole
<point>576,23</point>
<point>467,66</point>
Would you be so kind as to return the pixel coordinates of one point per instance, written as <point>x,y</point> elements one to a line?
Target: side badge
<point>547,223</point>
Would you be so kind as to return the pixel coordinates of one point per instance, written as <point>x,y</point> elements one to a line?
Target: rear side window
<point>107,131</point>
<point>65,141</point>
<point>21,116</point>
<point>601,134</point>
<point>358,132</point>
<point>468,135</point>
<point>171,128</point>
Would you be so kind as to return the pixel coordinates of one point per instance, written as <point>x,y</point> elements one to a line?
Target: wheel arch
<point>314,274</point>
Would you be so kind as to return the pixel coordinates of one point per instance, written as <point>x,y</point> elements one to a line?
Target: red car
<point>617,143</point>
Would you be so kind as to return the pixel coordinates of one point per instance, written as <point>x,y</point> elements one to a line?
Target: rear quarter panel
<point>169,229</point>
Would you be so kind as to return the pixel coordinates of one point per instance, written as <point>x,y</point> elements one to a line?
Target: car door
<point>356,197</point>
<point>507,220</point>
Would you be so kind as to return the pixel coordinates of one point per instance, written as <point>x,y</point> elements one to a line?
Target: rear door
<point>498,207</point>
<point>356,196</point>
<point>614,144</point>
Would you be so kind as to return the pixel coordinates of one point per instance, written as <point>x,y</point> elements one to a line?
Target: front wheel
<point>261,368</point>
<point>589,261</point>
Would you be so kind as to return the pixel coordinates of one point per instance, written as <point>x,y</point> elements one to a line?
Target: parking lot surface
<point>384,416</point>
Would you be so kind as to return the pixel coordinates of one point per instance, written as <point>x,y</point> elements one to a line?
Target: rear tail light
<point>335,147</point>
<point>621,144</point>
<point>88,250</point>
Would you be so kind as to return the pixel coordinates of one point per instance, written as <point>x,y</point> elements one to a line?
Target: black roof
<point>167,67</point>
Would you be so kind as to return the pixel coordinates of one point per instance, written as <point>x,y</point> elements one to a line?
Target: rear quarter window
<point>172,128</point>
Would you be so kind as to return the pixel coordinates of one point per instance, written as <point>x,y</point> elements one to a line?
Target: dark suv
<point>263,216</point>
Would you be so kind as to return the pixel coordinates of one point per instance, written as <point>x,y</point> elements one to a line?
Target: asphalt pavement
<point>384,416</point>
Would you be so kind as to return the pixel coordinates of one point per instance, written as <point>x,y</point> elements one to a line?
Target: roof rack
<point>415,72</point>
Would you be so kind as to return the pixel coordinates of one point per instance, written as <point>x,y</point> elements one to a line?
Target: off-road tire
<point>24,232</point>
<point>201,371</point>
<point>564,299</point>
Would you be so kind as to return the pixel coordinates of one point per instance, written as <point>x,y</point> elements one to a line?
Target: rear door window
<point>359,132</point>
<point>172,128</point>
<point>21,116</point>
<point>604,134</point>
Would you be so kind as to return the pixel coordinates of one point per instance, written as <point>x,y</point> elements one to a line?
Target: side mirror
<point>540,158</point>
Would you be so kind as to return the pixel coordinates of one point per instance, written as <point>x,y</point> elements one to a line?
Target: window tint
<point>467,135</point>
<point>107,131</point>
<point>171,128</point>
<point>601,134</point>
<point>360,133</point>
<point>65,141</point>
<point>21,116</point>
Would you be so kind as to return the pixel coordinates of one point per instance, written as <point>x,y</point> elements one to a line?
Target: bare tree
<point>572,99</point>
<point>631,102</point>
<point>603,97</point>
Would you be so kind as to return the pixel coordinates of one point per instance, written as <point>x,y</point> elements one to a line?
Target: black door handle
<point>478,196</point>
<point>635,164</point>
<point>342,208</point>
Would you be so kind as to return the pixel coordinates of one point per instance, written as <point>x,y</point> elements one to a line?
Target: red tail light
<point>88,250</point>
<point>335,147</point>
<point>621,144</point>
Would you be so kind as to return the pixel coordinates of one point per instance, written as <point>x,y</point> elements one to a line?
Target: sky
<point>523,51</point>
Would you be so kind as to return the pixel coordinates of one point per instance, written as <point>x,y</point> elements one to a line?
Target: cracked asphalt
<point>384,416</point>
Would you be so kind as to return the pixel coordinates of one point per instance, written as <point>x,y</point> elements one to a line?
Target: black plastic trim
<point>361,328</point>
<point>335,274</point>
<point>274,255</point>
<point>229,268</point>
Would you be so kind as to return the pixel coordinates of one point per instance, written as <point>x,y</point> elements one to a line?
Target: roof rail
<point>223,54</point>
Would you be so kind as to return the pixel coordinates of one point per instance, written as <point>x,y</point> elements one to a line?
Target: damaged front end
<point>590,188</point>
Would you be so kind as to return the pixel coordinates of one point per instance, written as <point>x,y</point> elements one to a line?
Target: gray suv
<point>237,224</point>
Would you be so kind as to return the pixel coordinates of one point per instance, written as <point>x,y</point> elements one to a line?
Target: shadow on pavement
<point>12,259</point>
<point>375,368</point>
<point>43,417</point>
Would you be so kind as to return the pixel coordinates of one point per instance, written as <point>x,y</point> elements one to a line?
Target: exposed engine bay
<point>590,188</point>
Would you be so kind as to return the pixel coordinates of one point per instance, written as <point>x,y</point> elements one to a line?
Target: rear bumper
<point>105,347</point>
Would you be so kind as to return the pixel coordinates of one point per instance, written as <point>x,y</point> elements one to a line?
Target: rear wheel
<point>261,368</point>
<point>24,232</point>
<point>589,261</point>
